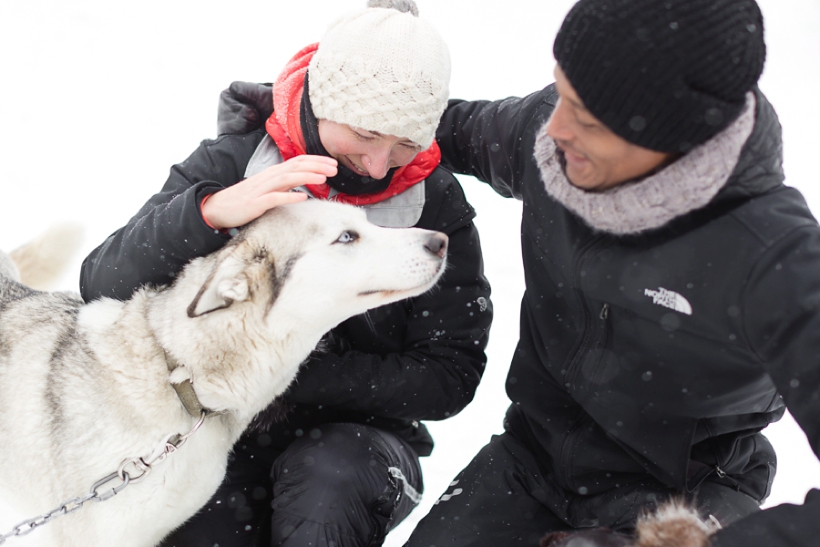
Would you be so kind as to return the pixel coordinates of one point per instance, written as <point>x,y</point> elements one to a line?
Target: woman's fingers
<point>281,177</point>
<point>275,199</point>
<point>247,200</point>
<point>288,181</point>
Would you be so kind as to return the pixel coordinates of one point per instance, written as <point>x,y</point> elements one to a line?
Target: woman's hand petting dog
<point>247,200</point>
<point>674,524</point>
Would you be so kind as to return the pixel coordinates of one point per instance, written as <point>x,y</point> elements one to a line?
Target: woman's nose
<point>377,162</point>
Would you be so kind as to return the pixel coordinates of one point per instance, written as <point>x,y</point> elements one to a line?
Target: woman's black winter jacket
<point>419,359</point>
<point>607,383</point>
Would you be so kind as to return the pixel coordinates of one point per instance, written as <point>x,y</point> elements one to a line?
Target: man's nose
<point>557,126</point>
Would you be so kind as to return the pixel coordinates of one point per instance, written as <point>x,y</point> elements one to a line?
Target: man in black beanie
<point>672,297</point>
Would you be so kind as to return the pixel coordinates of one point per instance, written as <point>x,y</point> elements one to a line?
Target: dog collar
<point>185,391</point>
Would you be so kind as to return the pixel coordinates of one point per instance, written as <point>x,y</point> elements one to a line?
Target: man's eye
<point>347,237</point>
<point>586,124</point>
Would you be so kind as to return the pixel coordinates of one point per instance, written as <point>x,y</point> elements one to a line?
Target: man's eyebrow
<point>577,104</point>
<point>574,102</point>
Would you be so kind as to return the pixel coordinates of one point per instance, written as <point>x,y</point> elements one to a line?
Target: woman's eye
<point>347,237</point>
<point>409,150</point>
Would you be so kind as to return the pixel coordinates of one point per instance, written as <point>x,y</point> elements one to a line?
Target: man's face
<point>596,158</point>
<point>367,153</point>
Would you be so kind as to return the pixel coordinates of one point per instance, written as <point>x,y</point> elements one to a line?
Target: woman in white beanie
<point>353,119</point>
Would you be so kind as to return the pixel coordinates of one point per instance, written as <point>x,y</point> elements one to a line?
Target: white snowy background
<point>99,98</point>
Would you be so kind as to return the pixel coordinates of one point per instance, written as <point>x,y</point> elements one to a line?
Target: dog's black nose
<point>437,244</point>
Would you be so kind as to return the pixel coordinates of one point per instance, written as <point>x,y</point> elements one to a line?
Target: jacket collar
<point>683,186</point>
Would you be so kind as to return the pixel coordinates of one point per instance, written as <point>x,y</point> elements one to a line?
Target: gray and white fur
<point>85,386</point>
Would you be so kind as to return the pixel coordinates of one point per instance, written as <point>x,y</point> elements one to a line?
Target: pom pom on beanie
<point>407,6</point>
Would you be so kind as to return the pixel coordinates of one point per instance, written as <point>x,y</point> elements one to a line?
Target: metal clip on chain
<point>142,466</point>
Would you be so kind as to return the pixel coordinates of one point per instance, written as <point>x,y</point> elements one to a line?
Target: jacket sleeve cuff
<point>202,214</point>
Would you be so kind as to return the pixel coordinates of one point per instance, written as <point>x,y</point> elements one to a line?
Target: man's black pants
<point>337,485</point>
<point>500,498</point>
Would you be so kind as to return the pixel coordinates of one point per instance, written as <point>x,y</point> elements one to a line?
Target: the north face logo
<point>669,299</point>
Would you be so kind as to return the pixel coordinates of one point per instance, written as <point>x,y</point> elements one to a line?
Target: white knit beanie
<point>382,69</point>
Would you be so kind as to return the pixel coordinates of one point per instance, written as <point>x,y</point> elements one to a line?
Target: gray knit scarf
<point>683,186</point>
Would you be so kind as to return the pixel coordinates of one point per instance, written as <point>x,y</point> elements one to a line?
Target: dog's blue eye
<point>347,237</point>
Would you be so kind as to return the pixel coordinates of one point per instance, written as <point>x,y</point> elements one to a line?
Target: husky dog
<point>86,387</point>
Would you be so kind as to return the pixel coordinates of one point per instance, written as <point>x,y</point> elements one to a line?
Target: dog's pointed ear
<point>226,284</point>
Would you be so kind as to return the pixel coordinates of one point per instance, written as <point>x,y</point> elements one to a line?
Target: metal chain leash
<point>141,467</point>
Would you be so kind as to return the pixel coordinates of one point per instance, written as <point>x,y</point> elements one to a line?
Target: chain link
<point>142,466</point>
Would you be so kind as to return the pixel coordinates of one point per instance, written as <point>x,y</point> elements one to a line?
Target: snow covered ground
<point>100,98</point>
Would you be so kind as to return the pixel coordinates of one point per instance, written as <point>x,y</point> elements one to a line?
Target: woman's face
<point>367,153</point>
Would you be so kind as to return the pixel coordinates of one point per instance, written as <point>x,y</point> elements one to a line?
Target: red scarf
<point>285,129</point>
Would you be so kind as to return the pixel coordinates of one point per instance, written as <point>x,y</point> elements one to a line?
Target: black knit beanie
<point>663,74</point>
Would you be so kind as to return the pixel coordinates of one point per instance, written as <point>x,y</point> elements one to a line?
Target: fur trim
<point>683,186</point>
<point>674,524</point>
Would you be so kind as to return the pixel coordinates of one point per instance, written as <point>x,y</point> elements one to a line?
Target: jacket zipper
<point>574,367</point>
<point>583,419</point>
<point>717,469</point>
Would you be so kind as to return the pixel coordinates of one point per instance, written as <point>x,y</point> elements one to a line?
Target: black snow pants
<point>500,498</point>
<point>336,485</point>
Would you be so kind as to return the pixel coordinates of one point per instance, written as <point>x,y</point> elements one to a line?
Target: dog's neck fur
<point>239,373</point>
